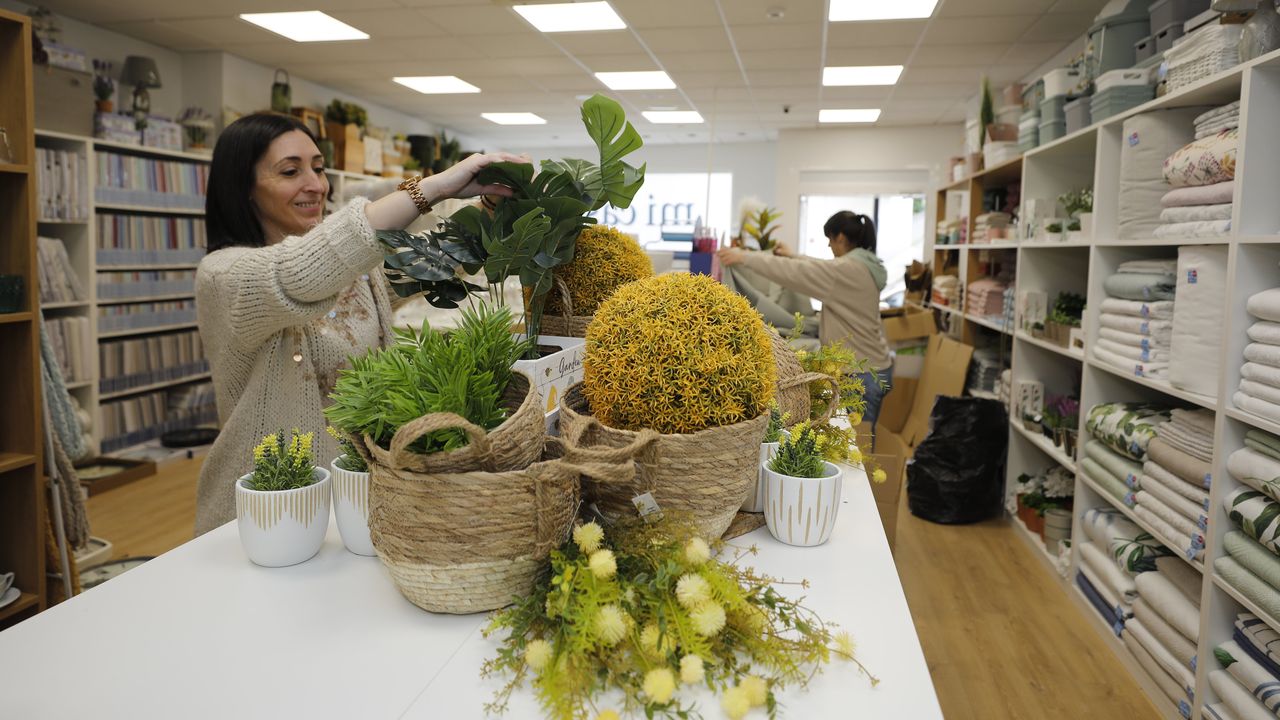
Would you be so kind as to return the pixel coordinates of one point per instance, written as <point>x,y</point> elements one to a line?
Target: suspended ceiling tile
<point>1031,53</point>
<point>613,42</point>
<point>633,62</point>
<point>756,12</point>
<point>479,19</point>
<point>971,74</point>
<point>970,8</point>
<point>895,55</point>
<point>153,31</point>
<point>572,82</point>
<point>978,30</point>
<point>646,14</point>
<point>217,31</point>
<point>857,96</point>
<point>807,60</point>
<point>956,91</point>
<point>698,61</point>
<point>685,40</point>
<point>1059,28</point>
<point>944,55</point>
<point>397,23</point>
<point>764,38</point>
<point>874,34</point>
<point>707,82</point>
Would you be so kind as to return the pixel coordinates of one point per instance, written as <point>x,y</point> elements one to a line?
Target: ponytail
<point>859,229</point>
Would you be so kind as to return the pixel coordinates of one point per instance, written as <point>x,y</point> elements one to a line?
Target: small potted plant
<point>1069,410</point>
<point>351,496</point>
<point>1078,205</point>
<point>282,507</point>
<point>773,435</point>
<point>196,123</point>
<point>1051,420</point>
<point>802,490</point>
<point>103,86</point>
<point>1068,311</point>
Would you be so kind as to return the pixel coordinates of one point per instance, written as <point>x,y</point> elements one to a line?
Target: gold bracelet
<point>410,185</point>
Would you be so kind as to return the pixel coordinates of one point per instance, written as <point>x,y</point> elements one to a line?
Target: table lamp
<point>140,72</point>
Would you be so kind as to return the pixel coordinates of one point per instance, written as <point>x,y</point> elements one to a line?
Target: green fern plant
<point>801,454</point>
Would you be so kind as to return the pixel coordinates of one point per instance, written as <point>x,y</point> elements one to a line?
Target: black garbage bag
<point>957,473</point>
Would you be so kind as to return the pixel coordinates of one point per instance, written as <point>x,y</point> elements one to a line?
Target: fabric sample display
<point>1205,229</point>
<point>1265,305</point>
<point>1242,703</point>
<point>1133,548</point>
<point>1123,610</point>
<point>1184,526</point>
<point>1161,655</point>
<point>1257,406</point>
<point>1259,391</point>
<point>1262,442</point>
<point>1127,428</point>
<point>1112,485</point>
<point>1252,676</point>
<point>1160,342</point>
<point>1141,286</point>
<point>1091,594</point>
<point>1160,310</point>
<point>1137,325</point>
<point>1179,504</point>
<point>1259,640</point>
<point>1109,573</point>
<point>1191,469</point>
<point>1255,558</point>
<point>1184,577</point>
<point>1121,468</point>
<point>1140,354</point>
<point>1249,585</point>
<point>1129,366</point>
<point>1166,599</point>
<point>1181,648</point>
<point>1264,331</point>
<point>1263,354</point>
<point>1195,213</point>
<point>1207,161</point>
<point>1199,318</point>
<point>1255,514</point>
<point>1175,536</point>
<point>1154,473</point>
<point>1258,471</point>
<point>1204,195</point>
<point>1164,680</point>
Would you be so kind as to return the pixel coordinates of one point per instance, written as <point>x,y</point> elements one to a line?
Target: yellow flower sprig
<point>280,464</point>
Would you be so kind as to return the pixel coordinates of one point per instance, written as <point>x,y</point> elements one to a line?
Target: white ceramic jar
<point>802,511</point>
<point>351,508</point>
<point>283,527</point>
<point>755,499</point>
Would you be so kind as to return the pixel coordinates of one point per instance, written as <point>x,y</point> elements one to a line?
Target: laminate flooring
<point>1001,638</point>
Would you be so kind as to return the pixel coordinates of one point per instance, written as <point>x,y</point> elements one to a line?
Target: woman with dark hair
<point>848,288</point>
<point>284,295</point>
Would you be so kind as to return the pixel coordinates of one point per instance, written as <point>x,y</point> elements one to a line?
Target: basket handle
<point>566,303</point>
<point>576,453</point>
<point>409,433</point>
<point>805,379</point>
<point>276,79</point>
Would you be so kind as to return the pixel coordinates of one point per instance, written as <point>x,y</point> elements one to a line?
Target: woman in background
<point>848,288</point>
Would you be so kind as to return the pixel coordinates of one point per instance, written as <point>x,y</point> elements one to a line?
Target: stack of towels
<point>1247,687</point>
<point>1165,628</point>
<point>1010,305</point>
<point>1201,175</point>
<point>1114,553</point>
<point>991,227</point>
<point>1172,495</point>
<point>1199,319</point>
<point>1122,433</point>
<point>984,369</point>
<point>1136,324</point>
<point>946,290</point>
<point>1251,564</point>
<point>986,297</point>
<point>1005,389</point>
<point>1259,391</point>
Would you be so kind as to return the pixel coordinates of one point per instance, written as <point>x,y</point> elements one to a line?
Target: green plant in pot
<point>800,483</point>
<point>282,507</point>
<point>760,226</point>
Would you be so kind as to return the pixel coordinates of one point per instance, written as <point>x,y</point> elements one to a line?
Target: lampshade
<point>140,70</point>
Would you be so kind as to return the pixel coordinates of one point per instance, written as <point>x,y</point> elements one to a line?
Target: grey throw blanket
<point>778,310</point>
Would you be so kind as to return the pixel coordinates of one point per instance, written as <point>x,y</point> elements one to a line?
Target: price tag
<point>1193,276</point>
<point>1208,480</point>
<point>647,506</point>
<point>1194,661</point>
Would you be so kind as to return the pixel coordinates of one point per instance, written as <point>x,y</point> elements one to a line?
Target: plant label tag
<point>647,506</point>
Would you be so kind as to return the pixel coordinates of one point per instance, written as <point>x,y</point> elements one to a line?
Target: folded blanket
<point>1217,127</point>
<point>1176,502</point>
<point>1126,428</point>
<point>1162,310</point>
<point>1176,669</point>
<point>1207,161</point>
<point>1258,471</point>
<point>1167,684</point>
<point>1250,674</point>
<point>1137,325</point>
<point>1264,374</point>
<point>1263,354</point>
<point>1260,391</point>
<point>1249,585</point>
<point>1141,286</point>
<point>1199,318</point>
<point>1217,113</point>
<point>1264,564</point>
<point>1260,640</point>
<point>1135,352</point>
<point>1196,213</point>
<point>1205,229</point>
<point>1174,536</point>
<point>1185,526</point>
<point>1242,703</point>
<point>1184,577</point>
<point>1198,422</point>
<point>1265,305</point>
<point>1265,332</point>
<point>1190,469</point>
<point>1091,594</point>
<point>1181,648</point>
<point>1123,609</point>
<point>1263,442</point>
<point>1155,473</point>
<point>1160,266</point>
<point>1170,603</point>
<point>1257,406</point>
<point>1203,195</point>
<point>1194,445</point>
<point>1129,366</point>
<point>1113,487</point>
<point>1121,468</point>
<point>1255,514</point>
<point>1104,567</point>
<point>1134,549</point>
<point>1218,711</point>
<point>1162,342</point>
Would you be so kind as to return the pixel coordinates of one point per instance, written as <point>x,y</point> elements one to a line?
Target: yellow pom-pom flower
<point>757,690</point>
<point>691,670</point>
<point>654,642</point>
<point>602,564</point>
<point>844,644</point>
<point>604,260</point>
<point>611,624</point>
<point>879,475</point>
<point>708,619</point>
<point>588,537</point>
<point>659,685</point>
<point>697,552</point>
<point>537,654</point>
<point>692,590</point>
<point>608,715</point>
<point>735,703</point>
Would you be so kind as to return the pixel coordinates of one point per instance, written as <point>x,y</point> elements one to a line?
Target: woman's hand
<point>459,181</point>
<point>731,256</point>
<point>781,250</point>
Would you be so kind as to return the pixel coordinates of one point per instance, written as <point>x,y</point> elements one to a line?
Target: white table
<point>200,632</point>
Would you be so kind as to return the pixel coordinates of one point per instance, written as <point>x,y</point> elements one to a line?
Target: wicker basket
<point>514,444</point>
<point>793,383</point>
<point>705,475</point>
<point>566,324</point>
<point>473,541</point>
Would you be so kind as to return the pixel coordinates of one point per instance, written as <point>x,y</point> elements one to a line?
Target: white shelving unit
<point>1091,158</point>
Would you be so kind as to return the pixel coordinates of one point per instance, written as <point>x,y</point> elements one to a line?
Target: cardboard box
<point>888,494</point>
<point>348,148</point>
<point>913,324</point>
<point>896,405</point>
<point>946,364</point>
<point>64,100</point>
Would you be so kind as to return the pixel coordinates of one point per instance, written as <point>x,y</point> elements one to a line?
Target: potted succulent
<point>773,435</point>
<point>1067,313</point>
<point>351,495</point>
<point>197,123</point>
<point>282,507</point>
<point>103,85</point>
<point>1078,205</point>
<point>802,490</point>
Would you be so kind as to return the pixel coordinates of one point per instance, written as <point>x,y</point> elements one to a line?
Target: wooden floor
<point>1001,638</point>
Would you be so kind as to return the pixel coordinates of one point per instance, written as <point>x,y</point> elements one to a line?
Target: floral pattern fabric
<point>1126,428</point>
<point>1207,161</point>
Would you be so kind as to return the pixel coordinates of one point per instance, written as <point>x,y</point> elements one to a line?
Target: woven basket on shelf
<point>566,324</point>
<point>705,475</point>
<point>473,541</point>
<point>514,444</point>
<point>793,383</point>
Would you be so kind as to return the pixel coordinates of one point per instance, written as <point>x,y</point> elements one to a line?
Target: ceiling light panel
<point>571,17</point>
<point>649,80</point>
<point>513,118</point>
<point>849,115</point>
<point>863,10</point>
<point>673,117</point>
<point>437,84</point>
<point>861,75</point>
<point>306,26</point>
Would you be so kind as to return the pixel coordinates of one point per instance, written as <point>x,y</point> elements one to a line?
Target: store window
<point>675,202</point>
<point>899,229</point>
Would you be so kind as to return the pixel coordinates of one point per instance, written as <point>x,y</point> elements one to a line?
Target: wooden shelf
<point>65,305</point>
<point>43,221</point>
<point>947,248</point>
<point>154,386</point>
<point>998,327</point>
<point>147,299</point>
<point>79,385</point>
<point>145,331</point>
<point>15,461</point>
<point>1051,347</point>
<point>1162,386</point>
<point>15,169</point>
<point>113,207</point>
<point>992,246</point>
<point>15,317</point>
<point>24,602</point>
<point>1045,445</point>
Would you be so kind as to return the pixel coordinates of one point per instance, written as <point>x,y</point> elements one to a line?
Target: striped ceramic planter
<point>802,511</point>
<point>283,527</point>
<point>351,508</point>
<point>755,499</point>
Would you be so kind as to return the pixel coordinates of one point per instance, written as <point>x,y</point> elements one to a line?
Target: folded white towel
<point>1264,374</point>
<point>1257,406</point>
<point>1135,352</point>
<point>1137,368</point>
<point>1162,341</point>
<point>1266,305</point>
<point>1171,603</point>
<point>1231,108</point>
<point>1167,267</point>
<point>1207,228</point>
<point>1258,471</point>
<point>1263,354</point>
<point>1190,442</point>
<point>1185,526</point>
<point>1175,501</point>
<point>1156,471</point>
<point>1196,213</point>
<point>1176,669</point>
<point>1105,567</point>
<point>1265,332</point>
<point>1196,421</point>
<point>1260,391</point>
<point>1137,325</point>
<point>1160,310</point>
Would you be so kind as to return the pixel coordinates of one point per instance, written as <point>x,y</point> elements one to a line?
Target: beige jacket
<point>257,308</point>
<point>849,295</point>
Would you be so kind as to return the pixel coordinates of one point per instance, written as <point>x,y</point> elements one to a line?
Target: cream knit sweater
<point>259,307</point>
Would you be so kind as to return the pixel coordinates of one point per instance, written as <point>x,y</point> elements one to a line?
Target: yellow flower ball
<point>659,685</point>
<point>654,641</point>
<point>757,690</point>
<point>605,259</point>
<point>692,590</point>
<point>537,654</point>
<point>588,537</point>
<point>735,703</point>
<point>608,715</point>
<point>697,552</point>
<point>708,618</point>
<point>691,670</point>
<point>855,456</point>
<point>602,564</point>
<point>611,624</point>
<point>879,475</point>
<point>844,644</point>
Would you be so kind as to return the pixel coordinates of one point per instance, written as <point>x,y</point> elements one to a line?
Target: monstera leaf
<point>607,125</point>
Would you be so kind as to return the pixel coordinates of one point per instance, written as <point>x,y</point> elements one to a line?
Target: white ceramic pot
<point>283,527</point>
<point>802,511</point>
<point>755,499</point>
<point>351,508</point>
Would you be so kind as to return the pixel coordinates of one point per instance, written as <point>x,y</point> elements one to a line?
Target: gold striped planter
<point>802,511</point>
<point>351,508</point>
<point>283,527</point>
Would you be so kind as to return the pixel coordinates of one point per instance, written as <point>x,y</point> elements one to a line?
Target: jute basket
<point>793,383</point>
<point>566,324</point>
<point>474,541</point>
<point>516,443</point>
<point>705,475</point>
